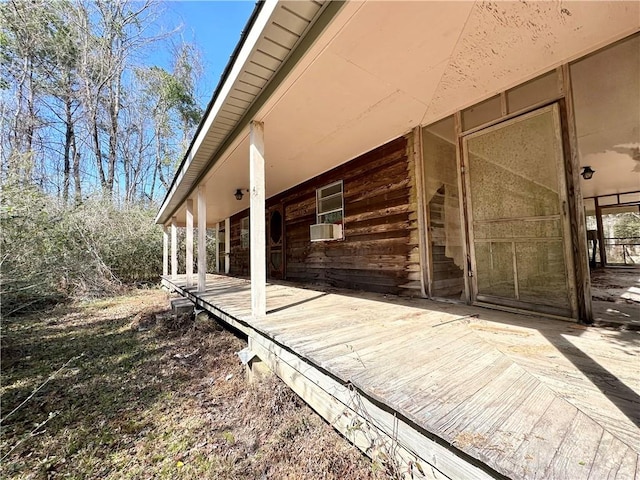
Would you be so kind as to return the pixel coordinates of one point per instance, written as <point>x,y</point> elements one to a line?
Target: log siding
<point>379,252</point>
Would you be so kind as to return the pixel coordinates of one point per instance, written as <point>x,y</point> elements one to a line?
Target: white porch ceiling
<point>381,68</point>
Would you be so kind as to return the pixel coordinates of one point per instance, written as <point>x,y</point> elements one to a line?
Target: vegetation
<point>114,387</point>
<point>51,252</point>
<point>80,113</point>
<point>89,139</point>
<point>136,398</point>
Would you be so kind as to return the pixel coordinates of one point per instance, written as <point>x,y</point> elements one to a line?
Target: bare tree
<point>77,114</point>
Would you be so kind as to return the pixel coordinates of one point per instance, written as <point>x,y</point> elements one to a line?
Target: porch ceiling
<point>381,68</point>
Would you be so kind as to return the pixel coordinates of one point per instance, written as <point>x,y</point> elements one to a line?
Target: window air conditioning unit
<point>325,231</point>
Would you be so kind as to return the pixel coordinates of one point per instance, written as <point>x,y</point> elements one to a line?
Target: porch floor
<point>513,395</point>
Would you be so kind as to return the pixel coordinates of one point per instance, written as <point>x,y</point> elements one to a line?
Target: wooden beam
<point>165,250</point>
<point>202,238</point>
<point>189,243</point>
<point>418,169</point>
<point>257,242</point>
<point>576,205</point>
<point>174,247</point>
<point>464,224</point>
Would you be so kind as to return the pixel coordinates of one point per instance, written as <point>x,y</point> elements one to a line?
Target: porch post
<point>165,250</point>
<point>600,232</point>
<point>256,220</point>
<point>227,245</point>
<point>189,243</point>
<point>202,238</point>
<point>174,247</point>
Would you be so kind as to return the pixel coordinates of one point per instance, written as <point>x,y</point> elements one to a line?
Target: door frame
<point>277,246</point>
<point>557,108</point>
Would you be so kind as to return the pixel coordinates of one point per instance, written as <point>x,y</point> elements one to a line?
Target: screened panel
<point>541,272</point>
<point>495,269</point>
<point>443,208</point>
<point>222,247</point>
<point>630,197</point>
<point>545,87</point>
<point>481,113</point>
<point>589,206</point>
<point>515,172</point>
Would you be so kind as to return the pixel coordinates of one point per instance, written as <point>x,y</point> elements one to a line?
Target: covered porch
<point>451,390</point>
<point>316,91</point>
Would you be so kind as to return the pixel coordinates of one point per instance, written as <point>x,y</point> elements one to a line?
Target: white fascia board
<point>254,35</point>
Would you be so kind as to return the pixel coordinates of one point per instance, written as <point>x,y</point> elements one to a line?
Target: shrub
<point>50,252</point>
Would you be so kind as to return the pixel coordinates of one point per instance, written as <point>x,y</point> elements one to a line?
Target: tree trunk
<point>67,150</point>
<point>76,172</point>
<point>114,110</point>
<point>96,147</point>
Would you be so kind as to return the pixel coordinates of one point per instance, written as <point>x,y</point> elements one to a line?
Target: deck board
<point>527,397</point>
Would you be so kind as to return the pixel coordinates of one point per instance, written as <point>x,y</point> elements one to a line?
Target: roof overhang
<point>358,74</point>
<point>267,50</point>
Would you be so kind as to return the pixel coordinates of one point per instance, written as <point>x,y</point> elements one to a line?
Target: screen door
<point>518,225</point>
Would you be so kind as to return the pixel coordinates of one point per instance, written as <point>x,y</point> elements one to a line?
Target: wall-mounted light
<point>587,172</point>
<point>238,194</point>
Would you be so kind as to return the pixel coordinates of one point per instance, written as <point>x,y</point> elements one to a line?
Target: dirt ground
<point>616,296</point>
<point>130,393</point>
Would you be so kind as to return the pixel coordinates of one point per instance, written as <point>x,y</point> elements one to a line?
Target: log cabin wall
<point>380,249</point>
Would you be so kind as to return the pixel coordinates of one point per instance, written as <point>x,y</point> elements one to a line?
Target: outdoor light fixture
<point>587,172</point>
<point>239,193</point>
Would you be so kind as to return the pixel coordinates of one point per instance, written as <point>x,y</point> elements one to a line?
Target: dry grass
<point>148,401</point>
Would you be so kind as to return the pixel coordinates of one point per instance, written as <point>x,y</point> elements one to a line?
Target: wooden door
<point>275,241</point>
<point>519,233</point>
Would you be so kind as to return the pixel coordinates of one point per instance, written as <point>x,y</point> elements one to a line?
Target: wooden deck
<point>462,391</point>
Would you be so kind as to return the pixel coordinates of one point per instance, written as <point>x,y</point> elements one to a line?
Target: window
<point>244,232</point>
<point>329,204</point>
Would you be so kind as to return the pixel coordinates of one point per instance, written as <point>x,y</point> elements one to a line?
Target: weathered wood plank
<point>494,387</point>
<point>574,458</point>
<point>609,458</point>
<point>429,452</point>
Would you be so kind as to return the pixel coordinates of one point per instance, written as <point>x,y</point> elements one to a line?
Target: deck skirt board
<point>467,392</point>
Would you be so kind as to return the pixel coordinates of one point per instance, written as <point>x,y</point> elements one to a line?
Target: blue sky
<point>215,26</point>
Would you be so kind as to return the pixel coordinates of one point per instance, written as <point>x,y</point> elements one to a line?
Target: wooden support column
<point>423,240</point>
<point>202,238</point>
<point>574,201</point>
<point>257,243</point>
<point>227,245</point>
<point>174,247</point>
<point>165,250</point>
<point>189,243</point>
<point>468,279</point>
<point>600,233</point>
